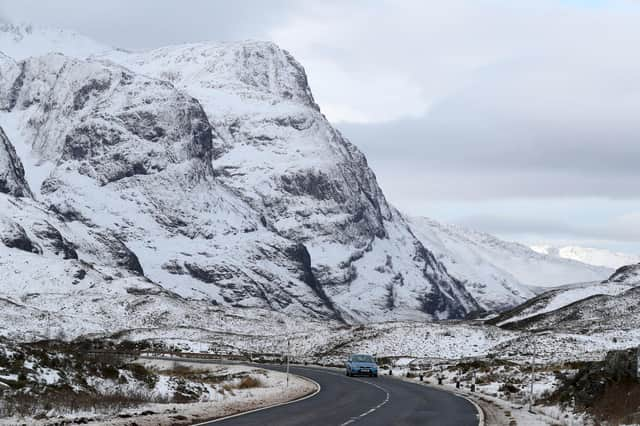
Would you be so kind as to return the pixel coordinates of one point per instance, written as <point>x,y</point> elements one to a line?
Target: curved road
<point>363,401</point>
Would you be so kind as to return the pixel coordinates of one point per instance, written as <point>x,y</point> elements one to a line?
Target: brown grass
<point>65,399</point>
<point>249,382</point>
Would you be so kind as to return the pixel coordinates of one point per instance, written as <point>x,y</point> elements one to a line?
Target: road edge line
<point>481,414</point>
<point>479,409</point>
<point>279,404</point>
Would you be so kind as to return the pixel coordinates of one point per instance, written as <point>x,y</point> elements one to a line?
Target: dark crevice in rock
<point>447,296</point>
<point>209,276</point>
<point>314,184</point>
<point>89,89</point>
<point>67,213</point>
<point>300,255</point>
<point>54,240</point>
<point>122,255</point>
<point>12,175</point>
<point>13,235</point>
<point>14,93</point>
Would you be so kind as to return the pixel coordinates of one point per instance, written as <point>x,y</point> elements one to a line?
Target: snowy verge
<point>273,392</point>
<point>222,399</point>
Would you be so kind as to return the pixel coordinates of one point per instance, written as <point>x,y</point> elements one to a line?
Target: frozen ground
<point>273,391</point>
<point>222,391</point>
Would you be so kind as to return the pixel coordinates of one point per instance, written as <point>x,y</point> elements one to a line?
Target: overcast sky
<point>514,117</point>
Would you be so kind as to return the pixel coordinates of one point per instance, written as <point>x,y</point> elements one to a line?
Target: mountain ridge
<point>305,230</point>
<point>500,274</point>
<point>206,172</point>
<point>589,255</point>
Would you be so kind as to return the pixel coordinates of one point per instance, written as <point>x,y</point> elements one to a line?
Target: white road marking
<point>311,395</point>
<point>366,413</point>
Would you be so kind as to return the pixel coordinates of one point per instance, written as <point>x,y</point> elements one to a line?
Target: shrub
<point>140,373</point>
<point>249,382</point>
<point>110,372</point>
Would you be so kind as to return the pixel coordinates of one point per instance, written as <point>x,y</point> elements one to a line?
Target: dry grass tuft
<point>249,382</point>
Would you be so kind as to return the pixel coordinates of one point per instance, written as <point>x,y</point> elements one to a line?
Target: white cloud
<point>364,58</point>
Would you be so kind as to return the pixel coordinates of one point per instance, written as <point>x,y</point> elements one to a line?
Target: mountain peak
<point>251,70</point>
<point>20,41</point>
<point>589,255</point>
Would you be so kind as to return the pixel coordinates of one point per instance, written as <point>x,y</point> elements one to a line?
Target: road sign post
<point>638,363</point>
<point>533,363</point>
<point>288,355</point>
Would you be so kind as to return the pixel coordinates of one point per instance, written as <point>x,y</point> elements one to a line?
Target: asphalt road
<point>357,401</point>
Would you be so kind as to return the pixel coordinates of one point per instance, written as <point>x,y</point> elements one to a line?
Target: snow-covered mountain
<point>197,181</point>
<point>564,297</point>
<point>213,167</point>
<point>591,256</point>
<point>499,274</point>
<point>22,41</point>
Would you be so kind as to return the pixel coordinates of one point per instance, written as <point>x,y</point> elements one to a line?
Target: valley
<point>194,199</point>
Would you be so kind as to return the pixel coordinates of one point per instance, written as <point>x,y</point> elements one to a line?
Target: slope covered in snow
<point>561,298</point>
<point>628,275</point>
<point>23,41</point>
<point>214,169</point>
<point>596,314</point>
<point>309,183</point>
<point>558,298</point>
<point>498,273</point>
<point>591,256</point>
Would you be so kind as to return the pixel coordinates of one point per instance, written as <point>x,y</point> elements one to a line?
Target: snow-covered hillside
<point>215,169</point>
<point>23,41</point>
<point>628,275</point>
<point>591,256</point>
<point>558,300</point>
<point>205,175</point>
<point>595,314</point>
<point>496,272</point>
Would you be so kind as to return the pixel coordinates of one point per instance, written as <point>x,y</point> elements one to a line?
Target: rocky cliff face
<point>210,170</point>
<point>307,182</point>
<point>104,121</point>
<point>12,179</point>
<point>197,181</point>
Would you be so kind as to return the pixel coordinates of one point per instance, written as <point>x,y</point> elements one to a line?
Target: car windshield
<point>361,358</point>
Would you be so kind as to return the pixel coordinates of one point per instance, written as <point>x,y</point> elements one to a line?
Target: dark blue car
<point>363,365</point>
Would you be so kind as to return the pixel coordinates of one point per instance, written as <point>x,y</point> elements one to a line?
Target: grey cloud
<point>411,180</point>
<point>509,225</point>
<point>486,141</point>
<point>537,99</point>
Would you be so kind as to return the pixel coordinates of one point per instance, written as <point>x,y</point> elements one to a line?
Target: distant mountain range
<point>499,274</point>
<point>591,256</point>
